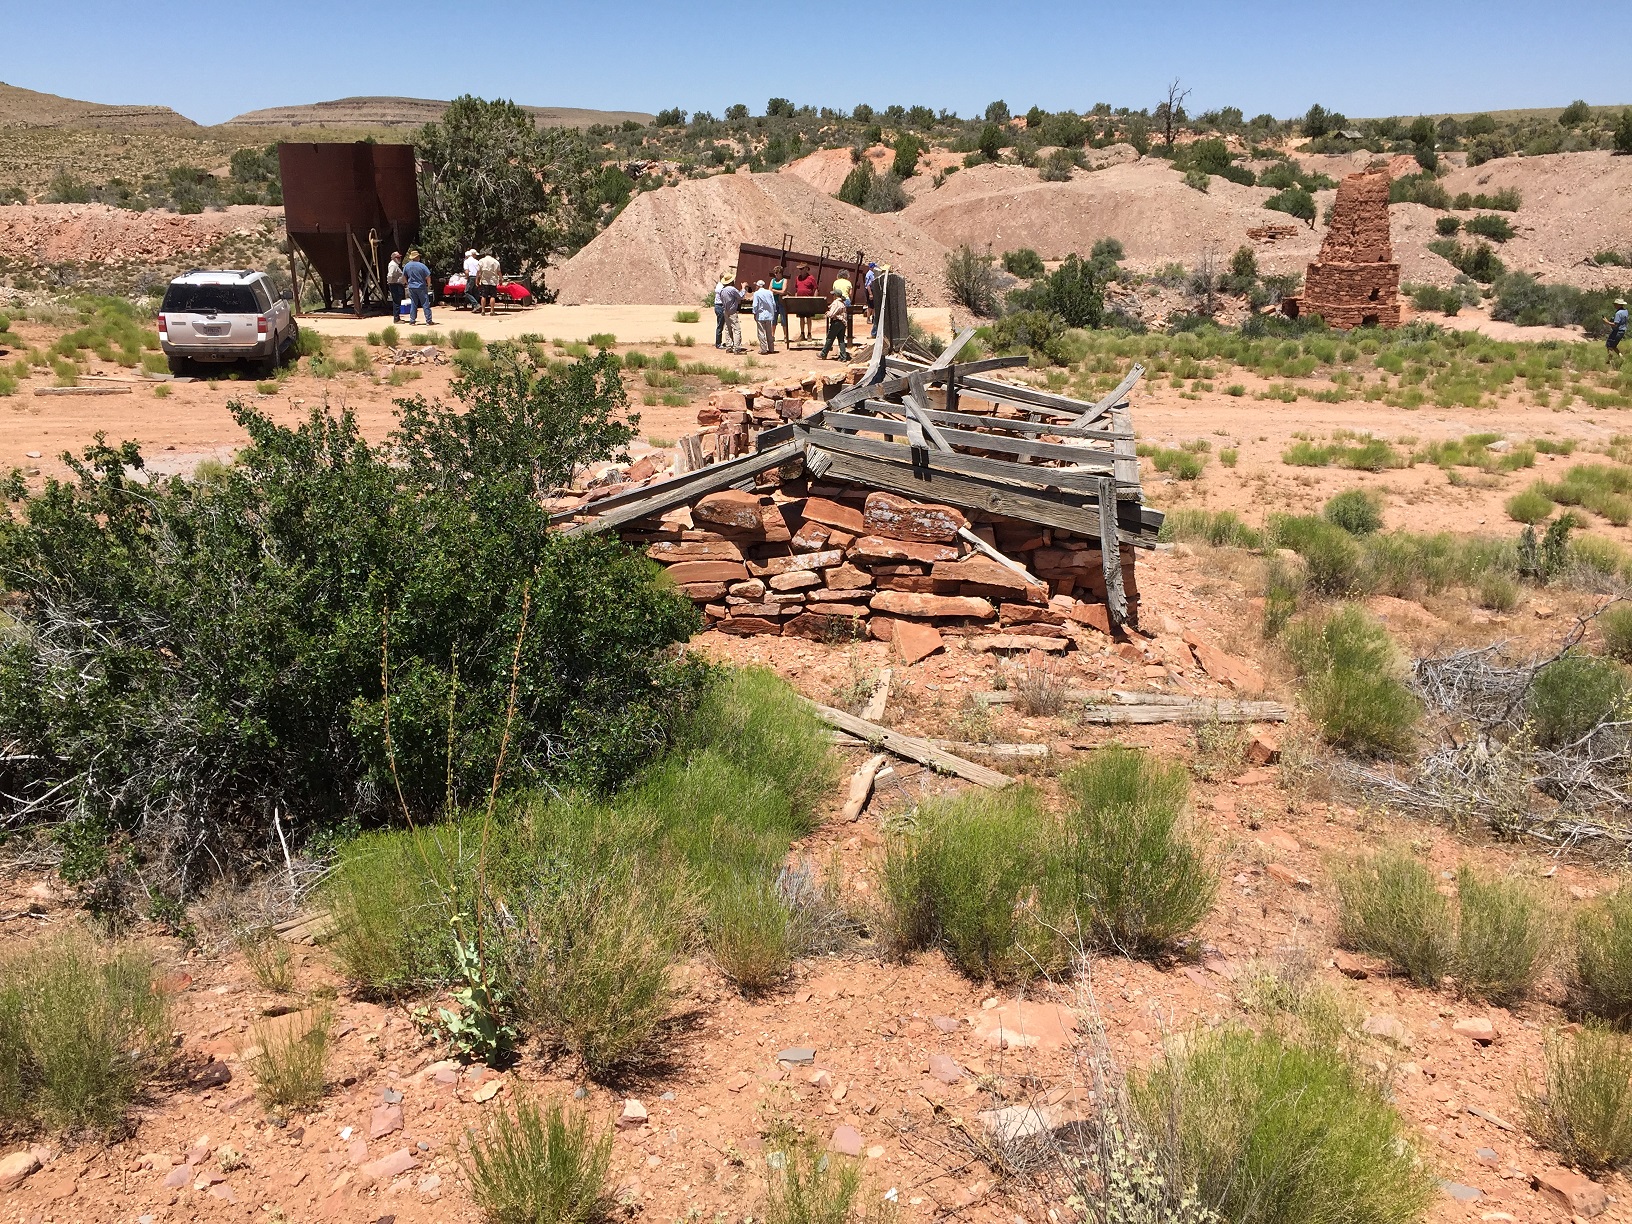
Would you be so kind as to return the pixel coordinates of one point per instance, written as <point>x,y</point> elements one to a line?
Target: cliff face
<point>1355,281</point>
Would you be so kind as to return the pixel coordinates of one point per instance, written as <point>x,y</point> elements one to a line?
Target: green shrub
<point>1024,263</point>
<point>81,1029</point>
<point>1615,626</point>
<point>361,362</point>
<point>1498,593</point>
<point>1332,558</point>
<point>390,336</point>
<point>1571,696</point>
<point>1220,528</point>
<point>1600,976</point>
<point>1228,456</point>
<point>465,341</point>
<point>1270,1131</point>
<point>1389,906</point>
<point>1489,225</point>
<point>1142,881</point>
<point>1356,511</point>
<point>1295,201</point>
<point>1447,227</point>
<point>1584,1110</point>
<point>1504,935</point>
<point>685,316</point>
<point>1477,259</point>
<point>309,343</point>
<point>971,282</point>
<point>805,1185</point>
<point>290,1072</point>
<point>1531,506</point>
<point>538,1165</point>
<point>751,933</point>
<point>1351,684</point>
<point>606,340</point>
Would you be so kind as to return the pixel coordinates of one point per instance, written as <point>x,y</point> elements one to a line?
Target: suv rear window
<point>210,299</point>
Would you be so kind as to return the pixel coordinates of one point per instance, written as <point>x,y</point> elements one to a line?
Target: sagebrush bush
<point>535,1164</point>
<point>1584,1108</point>
<point>1615,627</point>
<point>1357,511</point>
<point>1024,263</point>
<point>971,281</point>
<point>1351,682</point>
<point>1142,879</point>
<point>269,959</point>
<point>1530,506</point>
<point>1390,906</point>
<point>81,1028</point>
<point>1571,696</point>
<point>1505,934</point>
<point>290,1072</point>
<point>1273,1131</point>
<point>1600,974</point>
<point>805,1185</point>
<point>750,929</point>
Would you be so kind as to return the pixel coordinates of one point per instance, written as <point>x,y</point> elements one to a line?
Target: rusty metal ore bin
<point>346,207</point>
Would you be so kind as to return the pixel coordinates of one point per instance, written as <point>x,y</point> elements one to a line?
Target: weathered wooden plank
<point>1082,483</point>
<point>976,420</point>
<point>89,389</point>
<point>965,490</point>
<point>1117,395</point>
<point>912,748</point>
<point>1023,447</point>
<point>660,498</point>
<point>1200,711</point>
<point>1026,397</point>
<point>960,369</point>
<point>1127,453</point>
<point>1110,553</point>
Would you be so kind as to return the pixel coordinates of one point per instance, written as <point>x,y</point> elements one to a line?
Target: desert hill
<point>26,108</point>
<point>668,245</point>
<point>409,112</point>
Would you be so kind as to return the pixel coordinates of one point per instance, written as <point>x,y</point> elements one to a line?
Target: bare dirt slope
<point>99,233</point>
<point>1144,204</point>
<point>409,112</point>
<point>27,108</point>
<point>670,244</point>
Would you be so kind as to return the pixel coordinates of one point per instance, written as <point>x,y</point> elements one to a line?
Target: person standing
<point>473,267</point>
<point>779,289</point>
<point>417,277</point>
<point>730,302</point>
<point>843,287</point>
<point>765,317</point>
<point>396,284</point>
<point>838,325</point>
<point>804,285</point>
<point>1617,329</point>
<point>719,310</point>
<point>487,281</point>
<point>868,300</point>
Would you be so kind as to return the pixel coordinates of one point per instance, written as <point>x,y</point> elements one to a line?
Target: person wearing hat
<point>838,324</point>
<point>765,317</point>
<point>487,281</point>
<point>730,300</point>
<point>1617,329</point>
<point>417,276</point>
<point>719,309</point>
<point>396,284</point>
<point>473,268</point>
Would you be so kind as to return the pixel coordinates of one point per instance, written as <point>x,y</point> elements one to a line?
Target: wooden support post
<point>351,261</point>
<point>294,275</point>
<point>1110,553</point>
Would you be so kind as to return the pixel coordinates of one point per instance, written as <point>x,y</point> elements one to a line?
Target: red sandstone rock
<point>1573,1192</point>
<point>810,537</point>
<point>901,519</point>
<point>669,551</point>
<point>747,626</point>
<point>799,561</point>
<point>848,577</point>
<point>1043,1026</point>
<point>912,641</point>
<point>794,580</point>
<point>1028,614</point>
<point>903,603</point>
<point>832,514</point>
<point>1240,674</point>
<point>730,508</point>
<point>707,571</point>
<point>984,571</point>
<point>873,548</point>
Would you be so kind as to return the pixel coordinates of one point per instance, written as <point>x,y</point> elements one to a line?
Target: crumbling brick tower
<point>1355,281</point>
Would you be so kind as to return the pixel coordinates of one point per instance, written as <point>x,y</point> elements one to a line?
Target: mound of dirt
<point>668,245</point>
<point>26,108</point>
<point>1144,204</point>
<point>99,233</point>
<point>409,112</point>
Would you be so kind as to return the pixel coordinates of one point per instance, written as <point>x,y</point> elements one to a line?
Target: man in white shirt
<point>473,267</point>
<point>396,283</point>
<point>765,317</point>
<point>487,281</point>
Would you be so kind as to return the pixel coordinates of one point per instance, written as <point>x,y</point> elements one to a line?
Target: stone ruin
<point>1355,281</point>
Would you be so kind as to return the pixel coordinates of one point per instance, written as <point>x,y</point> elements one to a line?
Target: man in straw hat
<point>1617,329</point>
<point>473,268</point>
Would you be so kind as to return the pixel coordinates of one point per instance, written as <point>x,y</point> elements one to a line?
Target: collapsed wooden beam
<point>912,748</point>
<point>677,491</point>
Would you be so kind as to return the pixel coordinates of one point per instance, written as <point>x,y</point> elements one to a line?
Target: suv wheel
<point>178,365</point>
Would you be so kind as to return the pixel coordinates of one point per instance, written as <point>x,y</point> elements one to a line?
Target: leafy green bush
<point>1530,506</point>
<point>1332,557</point>
<point>1504,936</point>
<point>1271,1131</point>
<point>1389,905</point>
<point>1356,511</point>
<point>1220,528</point>
<point>1489,225</point>
<point>1571,696</point>
<point>805,1185</point>
<point>1600,976</point>
<point>751,933</point>
<point>540,1165</point>
<point>290,1072</point>
<point>1584,1110</point>
<point>1477,259</point>
<point>970,281</point>
<point>1024,263</point>
<point>1351,683</point>
<point>1447,227</point>
<point>1142,880</point>
<point>1294,201</point>
<point>1497,592</point>
<point>248,616</point>
<point>81,1028</point>
<point>1074,291</point>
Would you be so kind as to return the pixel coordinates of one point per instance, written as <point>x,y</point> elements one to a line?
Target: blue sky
<point>1388,57</point>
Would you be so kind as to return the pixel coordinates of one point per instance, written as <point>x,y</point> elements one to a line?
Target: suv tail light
<point>260,325</point>
<point>164,331</point>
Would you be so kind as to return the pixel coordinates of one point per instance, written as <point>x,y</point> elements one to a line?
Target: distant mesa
<point>410,113</point>
<point>26,108</point>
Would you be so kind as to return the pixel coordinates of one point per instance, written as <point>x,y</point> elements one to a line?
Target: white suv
<point>230,315</point>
